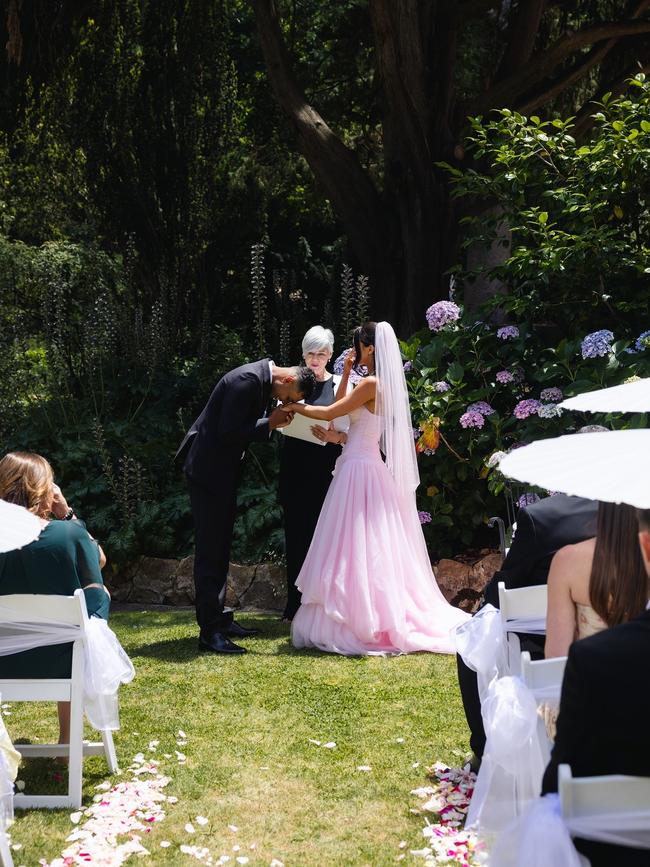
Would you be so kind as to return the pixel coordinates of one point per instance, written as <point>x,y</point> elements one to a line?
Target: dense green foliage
<point>577,264</point>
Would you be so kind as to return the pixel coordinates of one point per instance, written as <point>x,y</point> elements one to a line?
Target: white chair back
<point>581,797</point>
<point>543,676</point>
<point>68,610</point>
<point>522,610</point>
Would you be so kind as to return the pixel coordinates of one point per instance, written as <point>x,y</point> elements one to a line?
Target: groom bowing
<point>212,451</point>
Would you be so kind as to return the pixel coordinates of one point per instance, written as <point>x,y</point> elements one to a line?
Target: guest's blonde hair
<point>26,479</point>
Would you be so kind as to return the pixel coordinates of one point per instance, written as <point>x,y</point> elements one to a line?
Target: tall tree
<point>399,219</point>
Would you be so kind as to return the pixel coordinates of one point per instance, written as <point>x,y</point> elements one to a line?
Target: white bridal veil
<point>392,405</point>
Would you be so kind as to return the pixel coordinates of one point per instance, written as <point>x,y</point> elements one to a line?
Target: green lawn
<point>248,722</point>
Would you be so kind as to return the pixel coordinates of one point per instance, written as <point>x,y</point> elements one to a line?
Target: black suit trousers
<point>467,681</point>
<point>214,518</point>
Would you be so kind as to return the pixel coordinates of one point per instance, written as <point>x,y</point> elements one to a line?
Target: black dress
<point>305,476</point>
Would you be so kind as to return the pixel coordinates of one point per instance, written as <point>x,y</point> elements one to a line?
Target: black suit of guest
<point>212,451</point>
<point>542,529</point>
<point>602,727</point>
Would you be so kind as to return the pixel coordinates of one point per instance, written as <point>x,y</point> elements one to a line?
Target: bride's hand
<point>348,362</point>
<point>293,407</point>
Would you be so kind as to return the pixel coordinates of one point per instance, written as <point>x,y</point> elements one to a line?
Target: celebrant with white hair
<point>306,467</point>
<point>367,583</point>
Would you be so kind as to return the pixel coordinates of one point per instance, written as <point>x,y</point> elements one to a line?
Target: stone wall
<point>153,581</point>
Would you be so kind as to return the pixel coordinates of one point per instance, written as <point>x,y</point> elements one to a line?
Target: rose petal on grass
<point>165,844</point>
<point>189,827</point>
<point>201,820</point>
<point>364,768</point>
<point>330,745</point>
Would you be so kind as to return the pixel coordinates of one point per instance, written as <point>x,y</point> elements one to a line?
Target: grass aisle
<point>250,763</point>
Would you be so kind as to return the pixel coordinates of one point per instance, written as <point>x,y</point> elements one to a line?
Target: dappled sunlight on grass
<point>249,761</point>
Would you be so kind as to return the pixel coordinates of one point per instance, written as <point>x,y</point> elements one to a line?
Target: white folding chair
<point>522,610</point>
<point>613,808</point>
<point>543,676</point>
<point>71,610</point>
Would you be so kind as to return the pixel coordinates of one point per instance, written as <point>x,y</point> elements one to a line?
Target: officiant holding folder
<point>307,461</point>
<point>235,415</point>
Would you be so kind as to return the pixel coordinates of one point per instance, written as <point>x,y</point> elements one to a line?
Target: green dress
<point>62,559</point>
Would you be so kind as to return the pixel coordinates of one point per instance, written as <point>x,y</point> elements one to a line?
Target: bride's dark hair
<point>363,334</point>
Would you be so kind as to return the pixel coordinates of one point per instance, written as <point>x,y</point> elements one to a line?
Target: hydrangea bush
<point>460,430</point>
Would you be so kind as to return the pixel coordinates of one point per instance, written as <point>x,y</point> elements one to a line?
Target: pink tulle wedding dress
<point>367,584</point>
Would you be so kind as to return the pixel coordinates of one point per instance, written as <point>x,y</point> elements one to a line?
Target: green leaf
<point>543,217</point>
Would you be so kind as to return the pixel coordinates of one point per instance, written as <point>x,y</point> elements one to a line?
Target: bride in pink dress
<point>367,584</point>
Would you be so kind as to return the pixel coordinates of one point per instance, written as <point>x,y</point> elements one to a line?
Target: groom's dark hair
<point>305,380</point>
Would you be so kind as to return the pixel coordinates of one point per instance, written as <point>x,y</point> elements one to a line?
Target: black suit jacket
<point>542,529</point>
<point>233,417</point>
<point>602,727</point>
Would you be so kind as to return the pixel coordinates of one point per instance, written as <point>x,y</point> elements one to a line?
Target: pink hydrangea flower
<point>504,377</point>
<point>471,418</point>
<point>526,408</point>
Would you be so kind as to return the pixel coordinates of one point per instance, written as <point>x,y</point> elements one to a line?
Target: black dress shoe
<point>219,643</point>
<point>235,630</point>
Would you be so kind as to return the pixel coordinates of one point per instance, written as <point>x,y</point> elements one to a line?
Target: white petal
<point>242,859</point>
<point>364,768</point>
<point>330,745</point>
<point>76,817</point>
<point>189,828</point>
<point>181,734</point>
<point>312,741</point>
<point>233,828</point>
<point>201,820</point>
<point>399,740</point>
<point>165,844</point>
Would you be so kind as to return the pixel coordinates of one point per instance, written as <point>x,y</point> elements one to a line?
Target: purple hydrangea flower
<point>552,393</point>
<point>527,500</point>
<point>425,517</point>
<point>471,418</point>
<point>408,366</point>
<point>597,344</point>
<point>355,375</point>
<point>549,410</point>
<point>508,332</point>
<point>504,376</point>
<point>428,452</point>
<point>441,313</point>
<point>482,407</point>
<point>417,433</point>
<point>441,386</point>
<point>642,341</point>
<point>526,407</point>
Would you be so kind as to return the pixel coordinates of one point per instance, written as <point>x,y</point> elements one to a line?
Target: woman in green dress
<point>63,559</point>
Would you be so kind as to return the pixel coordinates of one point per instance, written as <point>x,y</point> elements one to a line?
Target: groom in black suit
<point>602,727</point>
<point>212,451</point>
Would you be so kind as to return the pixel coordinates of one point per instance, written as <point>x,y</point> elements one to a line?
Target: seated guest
<point>306,468</point>
<point>63,559</point>
<point>596,583</point>
<point>542,529</point>
<point>604,709</point>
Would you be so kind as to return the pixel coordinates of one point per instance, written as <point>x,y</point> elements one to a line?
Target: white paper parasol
<point>612,466</point>
<point>18,527</point>
<point>629,397</point>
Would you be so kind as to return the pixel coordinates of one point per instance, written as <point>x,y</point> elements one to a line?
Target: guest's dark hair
<point>363,334</point>
<point>305,380</point>
<point>618,584</point>
<point>643,517</point>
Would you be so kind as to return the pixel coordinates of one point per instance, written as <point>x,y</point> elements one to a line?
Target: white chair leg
<point>75,756</point>
<point>109,751</point>
<point>5,853</point>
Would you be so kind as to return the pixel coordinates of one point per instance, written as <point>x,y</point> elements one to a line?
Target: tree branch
<point>507,92</point>
<point>577,72</point>
<point>336,166</point>
<point>522,33</point>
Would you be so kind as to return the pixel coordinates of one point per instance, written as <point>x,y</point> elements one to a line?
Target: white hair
<point>317,338</point>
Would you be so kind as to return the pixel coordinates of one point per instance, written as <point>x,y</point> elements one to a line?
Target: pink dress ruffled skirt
<point>367,584</point>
